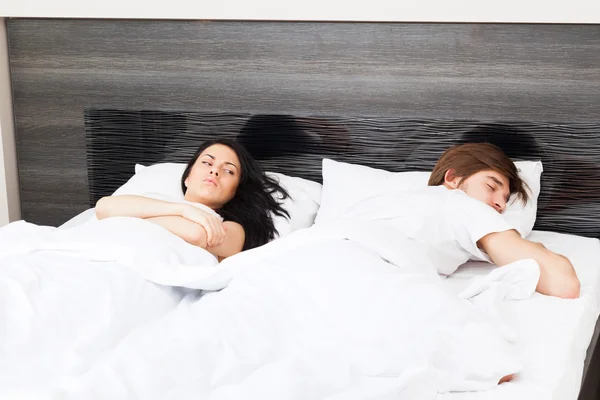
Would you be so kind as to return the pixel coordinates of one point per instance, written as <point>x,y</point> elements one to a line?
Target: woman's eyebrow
<point>230,163</point>
<point>226,162</point>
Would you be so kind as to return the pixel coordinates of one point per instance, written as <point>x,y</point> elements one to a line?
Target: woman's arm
<point>135,206</point>
<point>144,207</point>
<point>557,276</point>
<point>195,234</point>
<point>189,231</point>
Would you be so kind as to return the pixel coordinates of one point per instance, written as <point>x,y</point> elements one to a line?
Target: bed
<point>557,333</point>
<point>399,95</point>
<point>547,374</point>
<point>296,145</point>
<point>553,335</point>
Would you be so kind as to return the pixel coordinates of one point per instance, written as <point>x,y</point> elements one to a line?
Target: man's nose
<point>500,205</point>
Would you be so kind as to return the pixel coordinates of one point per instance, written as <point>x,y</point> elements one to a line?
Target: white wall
<point>9,186</point>
<point>558,11</point>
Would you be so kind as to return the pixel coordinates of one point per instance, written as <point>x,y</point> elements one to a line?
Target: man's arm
<point>195,234</point>
<point>557,276</point>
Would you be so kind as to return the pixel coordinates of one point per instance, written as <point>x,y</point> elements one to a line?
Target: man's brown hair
<point>471,158</point>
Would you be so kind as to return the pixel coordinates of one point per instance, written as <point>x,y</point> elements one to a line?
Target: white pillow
<point>303,203</point>
<point>522,217</point>
<point>165,179</point>
<point>345,184</point>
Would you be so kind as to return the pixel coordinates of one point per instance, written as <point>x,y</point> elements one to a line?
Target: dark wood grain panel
<point>295,145</point>
<point>456,71</point>
<point>452,70</point>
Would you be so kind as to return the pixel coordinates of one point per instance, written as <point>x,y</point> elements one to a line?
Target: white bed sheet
<point>553,334</point>
<point>80,218</point>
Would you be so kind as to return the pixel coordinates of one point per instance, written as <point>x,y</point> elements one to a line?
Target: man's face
<point>490,187</point>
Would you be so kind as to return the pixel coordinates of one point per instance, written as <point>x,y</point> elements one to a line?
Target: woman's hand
<point>215,230</point>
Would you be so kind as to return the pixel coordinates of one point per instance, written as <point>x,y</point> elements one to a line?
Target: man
<point>485,173</point>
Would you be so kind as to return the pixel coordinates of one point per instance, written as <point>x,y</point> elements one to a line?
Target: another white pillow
<point>303,203</point>
<point>165,179</point>
<point>344,185</point>
<point>522,217</point>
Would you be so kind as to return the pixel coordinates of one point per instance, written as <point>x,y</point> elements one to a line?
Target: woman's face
<point>214,178</point>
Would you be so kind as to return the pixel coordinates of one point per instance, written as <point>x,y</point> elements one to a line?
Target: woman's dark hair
<point>253,203</point>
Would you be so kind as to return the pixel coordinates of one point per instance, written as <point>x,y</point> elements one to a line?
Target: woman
<point>62,311</point>
<point>228,202</point>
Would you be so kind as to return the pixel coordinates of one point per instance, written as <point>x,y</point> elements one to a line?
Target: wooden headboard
<point>398,92</point>
<point>295,145</point>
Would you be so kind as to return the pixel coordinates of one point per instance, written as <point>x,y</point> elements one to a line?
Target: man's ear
<point>451,180</point>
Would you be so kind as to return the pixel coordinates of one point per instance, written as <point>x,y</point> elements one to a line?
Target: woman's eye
<point>206,163</point>
<point>490,186</point>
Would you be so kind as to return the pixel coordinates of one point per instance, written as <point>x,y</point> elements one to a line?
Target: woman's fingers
<point>219,235</point>
<point>208,228</point>
<point>222,231</point>
<point>215,231</point>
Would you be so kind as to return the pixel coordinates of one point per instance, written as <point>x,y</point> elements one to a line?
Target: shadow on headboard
<point>569,202</point>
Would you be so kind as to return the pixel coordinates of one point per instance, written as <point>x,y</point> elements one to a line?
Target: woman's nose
<point>216,173</point>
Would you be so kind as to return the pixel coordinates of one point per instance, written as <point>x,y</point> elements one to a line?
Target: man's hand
<point>557,276</point>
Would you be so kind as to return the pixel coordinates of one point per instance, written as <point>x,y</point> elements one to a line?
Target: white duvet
<point>67,297</point>
<point>348,311</point>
